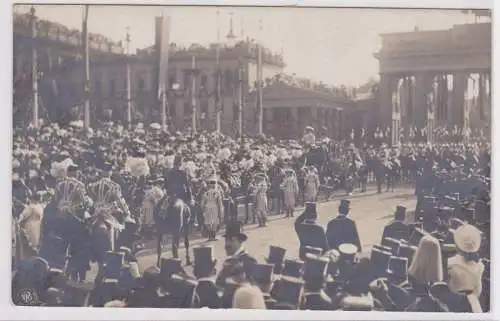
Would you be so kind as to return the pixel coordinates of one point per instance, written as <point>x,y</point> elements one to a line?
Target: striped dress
<point>311,187</point>
<point>212,208</point>
<point>260,192</point>
<point>290,190</point>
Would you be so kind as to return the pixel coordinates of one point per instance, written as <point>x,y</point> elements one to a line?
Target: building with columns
<point>431,79</point>
<point>108,83</point>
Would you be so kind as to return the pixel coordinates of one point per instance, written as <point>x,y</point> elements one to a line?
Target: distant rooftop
<point>244,48</point>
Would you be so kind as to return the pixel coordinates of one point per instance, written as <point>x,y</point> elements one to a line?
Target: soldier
<point>342,229</point>
<point>290,191</point>
<point>212,208</point>
<point>107,196</point>
<point>311,184</point>
<point>259,188</point>
<point>176,181</point>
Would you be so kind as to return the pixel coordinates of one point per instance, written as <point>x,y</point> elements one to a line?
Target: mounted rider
<point>109,202</point>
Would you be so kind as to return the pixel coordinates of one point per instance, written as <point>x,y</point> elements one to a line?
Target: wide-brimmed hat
<point>467,238</point>
<point>235,229</point>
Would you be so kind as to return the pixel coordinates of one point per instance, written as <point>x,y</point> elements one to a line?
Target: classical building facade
<point>435,78</point>
<point>237,65</point>
<point>288,109</point>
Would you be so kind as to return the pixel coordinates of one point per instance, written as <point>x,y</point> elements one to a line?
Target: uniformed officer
<point>309,232</point>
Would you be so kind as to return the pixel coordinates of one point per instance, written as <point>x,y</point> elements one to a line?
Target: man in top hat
<point>262,275</point>
<point>239,264</point>
<point>342,229</point>
<point>212,208</point>
<point>397,229</point>
<point>314,277</point>
<point>204,270</point>
<point>309,232</point>
<point>176,181</point>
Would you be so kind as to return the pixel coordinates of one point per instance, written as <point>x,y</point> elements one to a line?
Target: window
<point>171,81</point>
<point>204,107</point>
<point>112,87</point>
<point>98,87</point>
<point>203,83</point>
<point>171,108</point>
<point>140,83</point>
<point>187,109</point>
<point>235,111</point>
<point>228,78</point>
<point>187,80</point>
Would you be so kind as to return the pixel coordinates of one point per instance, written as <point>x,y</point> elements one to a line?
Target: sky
<point>332,45</point>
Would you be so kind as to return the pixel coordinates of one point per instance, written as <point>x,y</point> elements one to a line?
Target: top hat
<point>310,207</point>
<point>348,251</point>
<point>313,250</point>
<point>408,251</point>
<point>315,267</point>
<point>392,243</point>
<point>235,229</point>
<point>169,266</point>
<point>113,265</point>
<point>183,290</point>
<point>293,268</point>
<point>203,256</point>
<point>262,273</point>
<point>276,255</point>
<point>382,248</point>
<point>398,267</point>
<point>289,291</point>
<point>345,203</point>
<point>400,212</point>
<point>416,236</point>
<point>380,261</point>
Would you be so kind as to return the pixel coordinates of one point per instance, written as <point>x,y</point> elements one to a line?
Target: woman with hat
<point>465,270</point>
<point>259,189</point>
<point>212,208</point>
<point>311,184</point>
<point>290,189</point>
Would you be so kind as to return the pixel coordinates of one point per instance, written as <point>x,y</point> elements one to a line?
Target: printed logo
<point>27,297</point>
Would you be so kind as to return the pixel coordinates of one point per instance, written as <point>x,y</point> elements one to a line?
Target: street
<point>370,210</point>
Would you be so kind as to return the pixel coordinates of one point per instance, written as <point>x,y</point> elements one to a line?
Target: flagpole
<point>218,107</point>
<point>193,93</point>
<point>86,85</point>
<point>260,112</point>
<point>240,99</point>
<point>129,100</point>
<point>34,68</point>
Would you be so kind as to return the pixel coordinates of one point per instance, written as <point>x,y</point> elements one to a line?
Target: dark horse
<point>172,216</point>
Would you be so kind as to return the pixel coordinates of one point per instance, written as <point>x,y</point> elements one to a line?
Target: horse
<point>172,216</point>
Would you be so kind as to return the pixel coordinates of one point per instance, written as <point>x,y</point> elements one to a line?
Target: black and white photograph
<point>248,157</point>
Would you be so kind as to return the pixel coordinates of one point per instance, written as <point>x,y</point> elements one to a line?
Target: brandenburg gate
<point>435,79</point>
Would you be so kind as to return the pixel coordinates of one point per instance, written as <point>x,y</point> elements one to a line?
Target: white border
<point>8,311</point>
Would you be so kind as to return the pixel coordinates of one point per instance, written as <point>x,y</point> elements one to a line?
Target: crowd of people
<point>81,196</point>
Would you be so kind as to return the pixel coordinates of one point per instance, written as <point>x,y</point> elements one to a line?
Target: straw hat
<point>467,238</point>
